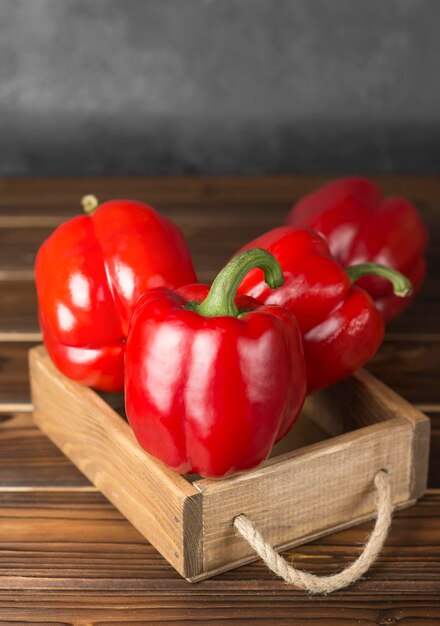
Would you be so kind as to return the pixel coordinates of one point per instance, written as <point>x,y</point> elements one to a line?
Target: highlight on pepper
<point>89,274</point>
<point>361,226</point>
<point>211,386</point>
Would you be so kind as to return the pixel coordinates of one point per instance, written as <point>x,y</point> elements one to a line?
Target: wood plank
<point>434,457</point>
<point>29,459</point>
<point>18,311</point>
<point>19,315</point>
<point>423,314</point>
<point>416,378</point>
<point>212,234</point>
<point>60,196</point>
<point>215,229</point>
<point>410,366</point>
<point>261,605</point>
<point>81,534</point>
<point>14,377</point>
<point>108,574</point>
<point>201,222</point>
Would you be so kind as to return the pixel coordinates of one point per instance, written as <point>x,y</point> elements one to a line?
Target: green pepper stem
<point>221,297</point>
<point>89,204</point>
<point>402,286</point>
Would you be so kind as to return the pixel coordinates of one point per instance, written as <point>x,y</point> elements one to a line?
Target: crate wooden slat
<point>162,505</point>
<point>297,495</point>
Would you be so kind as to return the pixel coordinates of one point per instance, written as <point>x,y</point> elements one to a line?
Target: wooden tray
<point>318,480</point>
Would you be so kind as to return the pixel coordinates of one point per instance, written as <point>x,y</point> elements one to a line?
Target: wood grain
<point>18,310</point>
<point>212,239</point>
<point>410,365</point>
<point>68,557</point>
<point>77,535</point>
<point>415,379</point>
<point>296,502</point>
<point>434,457</point>
<point>14,388</point>
<point>260,606</point>
<point>41,196</point>
<point>81,562</point>
<point>161,504</point>
<point>216,215</point>
<point>191,524</point>
<point>29,459</point>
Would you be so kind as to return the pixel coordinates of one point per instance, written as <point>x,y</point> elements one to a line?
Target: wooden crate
<point>318,479</point>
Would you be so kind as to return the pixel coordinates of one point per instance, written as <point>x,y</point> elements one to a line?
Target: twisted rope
<point>326,584</point>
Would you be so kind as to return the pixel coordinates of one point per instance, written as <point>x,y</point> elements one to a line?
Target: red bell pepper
<point>361,226</point>
<point>90,273</point>
<point>340,325</point>
<point>209,386</point>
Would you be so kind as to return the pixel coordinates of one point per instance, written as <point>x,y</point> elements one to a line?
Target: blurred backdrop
<point>219,86</point>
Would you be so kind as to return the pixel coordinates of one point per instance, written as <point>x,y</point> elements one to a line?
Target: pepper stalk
<point>402,286</point>
<point>221,297</point>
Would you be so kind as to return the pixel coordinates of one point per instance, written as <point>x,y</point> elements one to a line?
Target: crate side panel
<point>358,401</point>
<point>396,406</point>
<point>254,557</point>
<point>420,464</point>
<point>101,444</point>
<point>310,493</point>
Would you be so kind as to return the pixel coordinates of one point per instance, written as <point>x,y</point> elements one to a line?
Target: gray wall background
<point>219,86</point>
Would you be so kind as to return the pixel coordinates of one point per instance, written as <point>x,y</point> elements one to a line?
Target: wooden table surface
<point>68,557</point>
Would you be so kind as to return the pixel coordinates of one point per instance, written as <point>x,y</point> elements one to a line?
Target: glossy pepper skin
<point>210,388</point>
<point>89,274</point>
<point>340,325</point>
<point>361,226</point>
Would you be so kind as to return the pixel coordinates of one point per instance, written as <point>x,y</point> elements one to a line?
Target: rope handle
<point>326,584</point>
